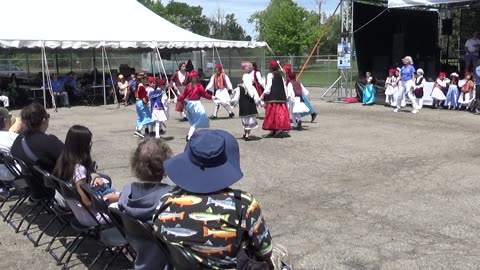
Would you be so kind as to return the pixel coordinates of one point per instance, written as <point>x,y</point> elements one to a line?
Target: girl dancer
<point>143,111</point>
<point>196,114</point>
<point>418,89</point>
<point>297,92</point>
<point>179,80</point>
<point>466,90</point>
<point>219,85</point>
<point>439,90</point>
<point>368,91</point>
<point>451,100</point>
<point>390,87</point>
<point>158,101</point>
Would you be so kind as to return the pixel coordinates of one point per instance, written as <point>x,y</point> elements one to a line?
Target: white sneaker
<point>395,110</point>
<point>415,111</point>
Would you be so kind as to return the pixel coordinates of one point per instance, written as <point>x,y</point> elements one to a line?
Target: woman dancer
<point>179,80</point>
<point>247,98</point>
<point>196,114</point>
<point>220,86</point>
<point>406,84</point>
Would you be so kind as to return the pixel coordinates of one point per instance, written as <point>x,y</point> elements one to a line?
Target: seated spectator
<point>6,140</point>
<point>75,165</point>
<point>203,214</point>
<point>70,85</point>
<point>58,90</point>
<point>5,100</point>
<point>34,147</point>
<point>123,86</point>
<point>140,198</point>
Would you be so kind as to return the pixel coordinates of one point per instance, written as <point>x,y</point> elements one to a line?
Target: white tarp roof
<point>96,23</point>
<point>412,3</point>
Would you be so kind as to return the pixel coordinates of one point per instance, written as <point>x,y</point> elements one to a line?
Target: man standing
<point>220,85</point>
<point>6,140</point>
<point>472,49</point>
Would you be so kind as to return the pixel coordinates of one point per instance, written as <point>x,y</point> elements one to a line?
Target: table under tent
<point>90,27</point>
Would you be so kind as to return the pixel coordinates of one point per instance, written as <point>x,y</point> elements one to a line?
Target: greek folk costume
<point>368,93</point>
<point>247,98</point>
<point>439,90</point>
<point>277,117</point>
<point>258,81</point>
<point>219,85</point>
<point>196,114</point>
<point>451,99</point>
<point>466,89</point>
<point>390,88</point>
<point>418,90</point>
<point>179,81</point>
<point>158,101</point>
<point>143,111</point>
<point>296,93</point>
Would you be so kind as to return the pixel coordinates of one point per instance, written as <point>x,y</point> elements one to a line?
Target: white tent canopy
<point>97,23</point>
<point>412,3</point>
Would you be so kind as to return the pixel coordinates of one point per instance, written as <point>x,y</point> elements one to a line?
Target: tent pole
<point>229,62</point>
<point>71,60</point>
<point>56,61</point>
<point>103,68</point>
<point>28,64</point>
<point>151,63</point>
<point>94,68</point>
<point>43,77</point>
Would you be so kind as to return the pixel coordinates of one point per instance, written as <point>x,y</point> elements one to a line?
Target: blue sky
<point>244,8</point>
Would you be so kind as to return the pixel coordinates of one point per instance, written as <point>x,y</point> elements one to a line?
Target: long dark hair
<point>76,150</point>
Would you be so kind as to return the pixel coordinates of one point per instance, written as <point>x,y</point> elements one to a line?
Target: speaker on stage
<point>447,27</point>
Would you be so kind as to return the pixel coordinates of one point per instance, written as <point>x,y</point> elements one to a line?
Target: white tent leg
<point>43,77</point>
<point>103,71</point>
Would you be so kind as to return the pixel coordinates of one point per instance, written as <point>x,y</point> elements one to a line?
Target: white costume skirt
<point>438,94</point>
<point>465,98</point>
<point>390,90</point>
<point>249,123</point>
<point>299,106</point>
<point>223,95</point>
<point>159,115</point>
<point>197,117</point>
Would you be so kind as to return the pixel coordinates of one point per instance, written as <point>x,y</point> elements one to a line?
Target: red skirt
<point>179,106</point>
<point>277,117</point>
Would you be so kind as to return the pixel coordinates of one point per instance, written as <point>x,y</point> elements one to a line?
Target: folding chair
<point>112,237</point>
<point>178,258</point>
<point>19,184</point>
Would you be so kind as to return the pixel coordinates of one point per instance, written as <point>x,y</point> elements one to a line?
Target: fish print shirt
<point>207,225</point>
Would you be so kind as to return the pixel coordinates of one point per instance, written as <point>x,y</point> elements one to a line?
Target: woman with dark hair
<point>75,165</point>
<point>178,81</point>
<point>258,80</point>
<point>195,111</point>
<point>277,116</point>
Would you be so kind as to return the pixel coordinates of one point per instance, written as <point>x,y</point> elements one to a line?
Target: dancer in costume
<point>179,80</point>
<point>219,85</point>
<point>247,98</point>
<point>406,85</point>
<point>390,87</point>
<point>439,90</point>
<point>287,69</point>
<point>277,117</point>
<point>197,117</point>
<point>451,99</point>
<point>418,88</point>
<point>143,111</point>
<point>258,80</point>
<point>158,101</point>
<point>296,92</point>
<point>466,88</point>
<point>151,85</point>
<point>368,97</point>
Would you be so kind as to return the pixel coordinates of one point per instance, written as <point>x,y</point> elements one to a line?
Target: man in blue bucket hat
<point>203,215</point>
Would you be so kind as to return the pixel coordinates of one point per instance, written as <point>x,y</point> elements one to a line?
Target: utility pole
<point>320,2</point>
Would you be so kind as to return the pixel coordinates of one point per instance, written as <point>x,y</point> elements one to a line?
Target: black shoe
<point>187,139</point>
<point>184,119</point>
<point>314,115</point>
<point>147,132</point>
<point>299,125</point>
<point>213,117</point>
<point>230,115</point>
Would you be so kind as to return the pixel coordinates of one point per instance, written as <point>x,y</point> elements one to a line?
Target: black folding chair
<point>18,184</point>
<point>112,237</point>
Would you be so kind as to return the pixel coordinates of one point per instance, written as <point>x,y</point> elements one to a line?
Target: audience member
<point>140,199</point>
<point>6,140</point>
<point>123,86</point>
<point>477,83</point>
<point>203,215</point>
<point>472,49</point>
<point>34,147</point>
<point>189,67</point>
<point>58,90</point>
<point>76,166</point>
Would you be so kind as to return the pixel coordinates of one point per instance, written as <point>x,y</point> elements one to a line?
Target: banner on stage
<point>412,3</point>
<point>344,56</point>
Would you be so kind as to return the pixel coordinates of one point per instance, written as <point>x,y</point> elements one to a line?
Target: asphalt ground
<point>362,188</point>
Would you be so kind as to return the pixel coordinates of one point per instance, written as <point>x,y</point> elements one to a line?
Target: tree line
<point>288,28</point>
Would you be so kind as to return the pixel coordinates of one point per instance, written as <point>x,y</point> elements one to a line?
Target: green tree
<point>288,28</point>
<point>226,27</point>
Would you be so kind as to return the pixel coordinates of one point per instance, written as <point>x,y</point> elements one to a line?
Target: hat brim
<point>193,178</point>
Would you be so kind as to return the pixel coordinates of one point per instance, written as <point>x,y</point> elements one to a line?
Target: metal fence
<point>321,70</point>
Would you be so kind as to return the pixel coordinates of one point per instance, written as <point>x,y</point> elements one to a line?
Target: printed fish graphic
<point>225,233</point>
<point>255,225</point>
<point>263,235</point>
<point>178,231</point>
<point>185,200</point>
<point>225,204</point>
<point>246,196</point>
<point>165,216</point>
<point>252,207</point>
<point>205,217</point>
<point>209,250</point>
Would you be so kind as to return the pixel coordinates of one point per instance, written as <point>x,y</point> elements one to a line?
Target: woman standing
<point>197,117</point>
<point>247,98</point>
<point>277,117</point>
<point>406,84</point>
<point>179,80</point>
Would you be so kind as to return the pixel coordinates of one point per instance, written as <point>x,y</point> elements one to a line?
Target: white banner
<point>411,3</point>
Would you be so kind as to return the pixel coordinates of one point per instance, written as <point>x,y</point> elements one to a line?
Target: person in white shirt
<point>472,49</point>
<point>6,140</point>
<point>220,85</point>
